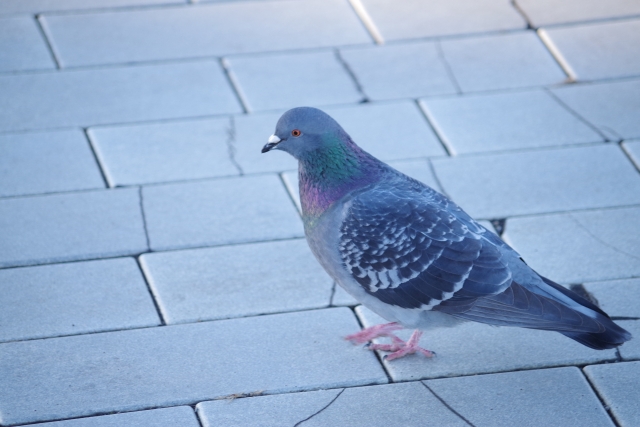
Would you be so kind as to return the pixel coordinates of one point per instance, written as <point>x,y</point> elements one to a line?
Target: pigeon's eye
<point>296,132</point>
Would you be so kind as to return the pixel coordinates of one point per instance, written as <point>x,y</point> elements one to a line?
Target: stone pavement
<point>153,270</point>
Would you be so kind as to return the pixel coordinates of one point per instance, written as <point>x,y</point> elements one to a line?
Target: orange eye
<point>296,132</point>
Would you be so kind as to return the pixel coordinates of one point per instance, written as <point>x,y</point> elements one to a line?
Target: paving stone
<point>400,70</point>
<point>551,12</point>
<point>560,396</point>
<point>617,384</point>
<point>417,169</point>
<point>473,348</point>
<point>114,95</point>
<point>342,298</point>
<point>613,107</point>
<point>580,247</point>
<point>234,281</point>
<point>505,121</point>
<point>163,417</point>
<point>67,227</point>
<point>631,349</point>
<point>522,183</point>
<point>617,297</point>
<point>47,162</point>
<point>632,148</point>
<point>22,47</point>
<point>380,405</point>
<point>504,61</point>
<point>33,7</point>
<point>223,211</point>
<point>163,152</point>
<point>309,78</point>
<point>84,375</point>
<point>415,18</point>
<point>73,298</point>
<point>203,30</point>
<point>600,51</point>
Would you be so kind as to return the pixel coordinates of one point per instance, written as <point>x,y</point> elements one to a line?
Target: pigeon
<point>411,255</point>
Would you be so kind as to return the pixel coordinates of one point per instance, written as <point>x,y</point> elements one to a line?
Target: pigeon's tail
<point>551,308</point>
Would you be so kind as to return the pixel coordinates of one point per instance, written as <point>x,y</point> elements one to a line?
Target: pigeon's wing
<point>411,247</point>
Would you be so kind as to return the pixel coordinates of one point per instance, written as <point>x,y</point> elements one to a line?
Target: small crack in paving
<point>144,218</point>
<point>322,409</point>
<point>598,239</point>
<point>447,405</point>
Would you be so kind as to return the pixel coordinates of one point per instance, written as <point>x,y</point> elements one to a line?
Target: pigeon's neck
<point>332,172</point>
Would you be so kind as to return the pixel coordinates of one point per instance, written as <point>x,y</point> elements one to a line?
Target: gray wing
<point>409,246</point>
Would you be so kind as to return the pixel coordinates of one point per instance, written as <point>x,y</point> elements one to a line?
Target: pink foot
<point>401,348</point>
<point>372,332</point>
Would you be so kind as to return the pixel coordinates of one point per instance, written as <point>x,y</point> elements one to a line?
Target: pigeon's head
<point>303,130</point>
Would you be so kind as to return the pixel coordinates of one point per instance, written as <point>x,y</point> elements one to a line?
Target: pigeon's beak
<point>272,142</point>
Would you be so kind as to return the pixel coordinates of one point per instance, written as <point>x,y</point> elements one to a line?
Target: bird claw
<point>400,348</point>
<point>373,332</point>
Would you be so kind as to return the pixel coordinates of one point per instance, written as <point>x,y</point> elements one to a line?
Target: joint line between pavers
<point>333,293</point>
<point>231,144</point>
<point>44,31</point>
<point>577,115</point>
<point>367,21</point>
<point>98,160</point>
<point>600,398</point>
<point>447,405</point>
<point>150,290</point>
<point>439,133</point>
<point>557,55</point>
<point>447,66</point>
<point>522,13</point>
<point>322,409</point>
<point>375,353</point>
<point>289,192</point>
<point>235,86</point>
<point>351,74</point>
<point>626,151</point>
<point>437,179</point>
<point>598,239</point>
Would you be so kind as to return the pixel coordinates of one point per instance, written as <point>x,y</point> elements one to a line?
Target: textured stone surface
<point>522,183</point>
<point>617,384</point>
<point>504,61</point>
<point>114,95</point>
<point>174,365</point>
<point>234,281</point>
<point>617,297</point>
<point>47,162</point>
<point>632,148</point>
<point>204,30</point>
<point>39,6</point>
<point>22,47</point>
<point>223,211</point>
<point>400,70</point>
<point>631,349</point>
<point>67,227</point>
<point>73,298</point>
<point>505,121</point>
<point>580,246</point>
<point>165,417</point>
<point>309,78</point>
<point>473,348</point>
<point>415,18</point>
<point>380,405</point>
<point>601,50</point>
<point>550,12</point>
<point>164,152</point>
<point>559,396</point>
<point>613,107</point>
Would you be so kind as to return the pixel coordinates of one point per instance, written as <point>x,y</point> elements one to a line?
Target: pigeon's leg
<point>372,332</point>
<point>401,348</point>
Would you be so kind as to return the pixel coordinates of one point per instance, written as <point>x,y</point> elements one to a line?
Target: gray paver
<point>400,70</point>
<point>182,416</point>
<point>473,348</point>
<point>73,298</point>
<point>617,384</point>
<point>342,298</point>
<point>67,227</point>
<point>631,349</point>
<point>617,297</point>
<point>47,162</point>
<point>600,51</point>
<point>613,107</point>
<point>415,18</point>
<point>505,121</point>
<point>173,365</point>
<point>163,152</point>
<point>278,81</point>
<point>581,246</point>
<point>505,61</point>
<point>521,183</point>
<point>22,47</point>
<point>550,12</point>
<point>33,7</point>
<point>203,30</point>
<point>560,396</point>
<point>114,95</point>
<point>380,405</point>
<point>223,211</point>
<point>632,148</point>
<point>234,281</point>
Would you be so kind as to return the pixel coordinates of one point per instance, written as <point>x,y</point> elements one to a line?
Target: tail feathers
<point>612,336</point>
